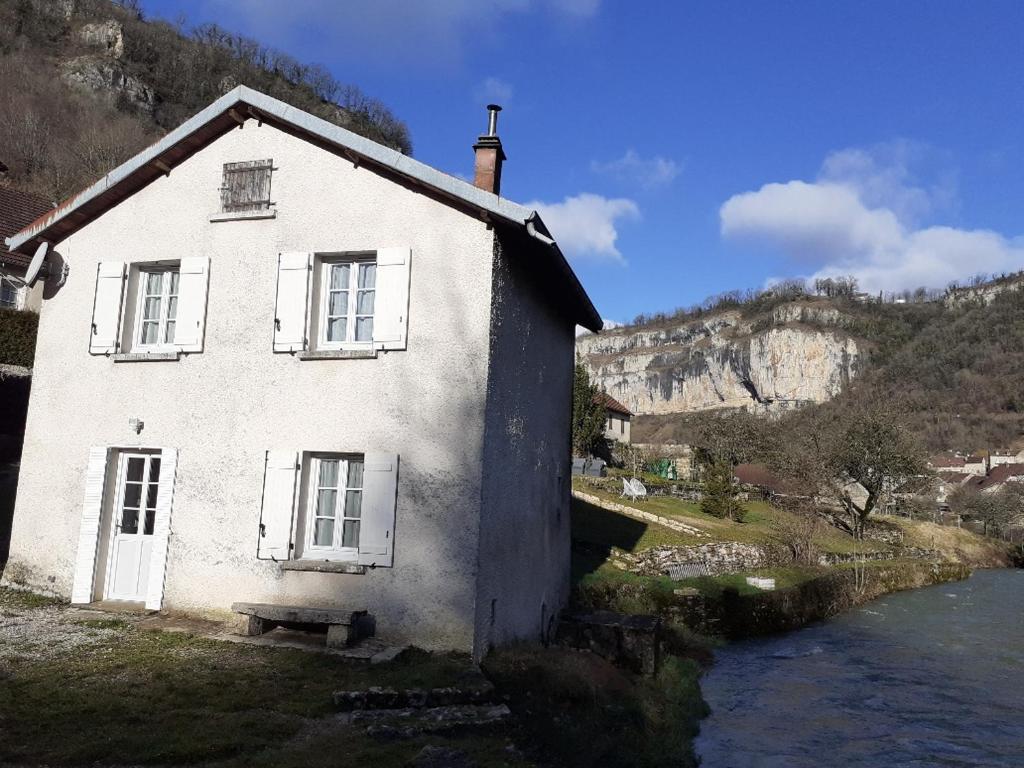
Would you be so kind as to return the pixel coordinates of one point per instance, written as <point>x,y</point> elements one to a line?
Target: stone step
<point>409,722</point>
<point>391,699</point>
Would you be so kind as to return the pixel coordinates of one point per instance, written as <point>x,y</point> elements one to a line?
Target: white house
<point>291,366</point>
<point>618,418</point>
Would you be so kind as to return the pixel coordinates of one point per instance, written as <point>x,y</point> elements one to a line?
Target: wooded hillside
<point>85,84</point>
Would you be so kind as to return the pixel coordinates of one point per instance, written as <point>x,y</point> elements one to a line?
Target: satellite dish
<point>37,263</point>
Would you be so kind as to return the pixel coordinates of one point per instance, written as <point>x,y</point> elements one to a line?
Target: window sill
<point>269,213</point>
<point>145,357</point>
<point>339,354</point>
<point>323,566</point>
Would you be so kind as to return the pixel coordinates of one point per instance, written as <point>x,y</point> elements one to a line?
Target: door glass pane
<point>151,496</point>
<point>350,533</point>
<point>150,518</point>
<point>133,495</point>
<point>353,503</point>
<point>130,521</point>
<point>323,533</point>
<point>336,329</point>
<point>364,329</point>
<point>154,470</point>
<point>135,467</point>
<point>339,276</point>
<point>175,276</point>
<point>153,281</point>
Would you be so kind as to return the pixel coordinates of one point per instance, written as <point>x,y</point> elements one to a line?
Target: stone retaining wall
<point>719,558</point>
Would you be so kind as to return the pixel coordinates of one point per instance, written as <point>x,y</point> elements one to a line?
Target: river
<point>928,677</point>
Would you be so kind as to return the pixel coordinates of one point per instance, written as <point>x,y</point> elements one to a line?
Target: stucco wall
<point>523,579</point>
<point>31,297</point>
<point>224,407</point>
<point>619,429</point>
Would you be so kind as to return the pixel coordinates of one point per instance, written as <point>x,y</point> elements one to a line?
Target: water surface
<point>929,677</point>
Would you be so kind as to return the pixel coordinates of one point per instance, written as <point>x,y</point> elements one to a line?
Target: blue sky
<point>681,149</point>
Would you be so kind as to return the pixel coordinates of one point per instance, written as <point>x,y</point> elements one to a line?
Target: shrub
<point>18,337</point>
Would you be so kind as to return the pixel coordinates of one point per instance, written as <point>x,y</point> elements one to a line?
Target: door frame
<point>116,509</point>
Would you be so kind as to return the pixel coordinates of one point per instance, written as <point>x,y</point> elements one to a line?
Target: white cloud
<point>646,172</point>
<point>427,33</point>
<point>863,217</point>
<point>585,226</point>
<point>494,91</point>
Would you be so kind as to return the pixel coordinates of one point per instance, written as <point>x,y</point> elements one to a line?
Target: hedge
<point>18,337</point>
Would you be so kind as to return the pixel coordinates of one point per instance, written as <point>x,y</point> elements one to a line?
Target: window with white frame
<point>157,309</point>
<point>348,296</point>
<point>246,186</point>
<point>334,512</point>
<point>10,293</point>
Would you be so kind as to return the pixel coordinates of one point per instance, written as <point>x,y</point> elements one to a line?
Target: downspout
<point>531,230</point>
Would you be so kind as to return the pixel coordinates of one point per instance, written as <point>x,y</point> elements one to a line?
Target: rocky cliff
<point>797,354</point>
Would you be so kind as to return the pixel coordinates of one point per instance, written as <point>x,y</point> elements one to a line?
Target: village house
<point>290,368</point>
<point>617,418</point>
<point>17,209</point>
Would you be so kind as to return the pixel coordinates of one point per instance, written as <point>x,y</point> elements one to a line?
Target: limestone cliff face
<point>724,361</point>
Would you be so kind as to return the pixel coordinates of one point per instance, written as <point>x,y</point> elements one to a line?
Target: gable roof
<point>611,404</point>
<point>17,210</point>
<point>242,104</point>
<point>1000,475</point>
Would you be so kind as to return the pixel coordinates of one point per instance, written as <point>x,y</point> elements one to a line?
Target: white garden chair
<point>633,489</point>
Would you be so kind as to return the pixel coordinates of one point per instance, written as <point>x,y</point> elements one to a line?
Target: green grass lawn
<point>131,697</point>
<point>758,526</point>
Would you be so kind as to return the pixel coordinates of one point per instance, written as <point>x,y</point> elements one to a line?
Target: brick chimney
<point>489,155</point>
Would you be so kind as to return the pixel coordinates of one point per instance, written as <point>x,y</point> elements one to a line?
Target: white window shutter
<point>290,312</point>
<point>161,528</point>
<point>190,320</point>
<point>106,308</point>
<point>380,495</point>
<point>275,535</point>
<point>391,303</point>
<point>89,526</point>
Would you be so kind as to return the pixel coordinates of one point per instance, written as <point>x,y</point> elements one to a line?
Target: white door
<point>131,544</point>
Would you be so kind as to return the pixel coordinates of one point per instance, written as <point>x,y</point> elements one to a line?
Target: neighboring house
<point>948,462</point>
<point>1004,473</point>
<point>292,366</point>
<point>976,464</point>
<point>18,210</point>
<point>998,458</point>
<point>617,418</point>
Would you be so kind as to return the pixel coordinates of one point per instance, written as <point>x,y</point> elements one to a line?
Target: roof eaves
<point>389,158</point>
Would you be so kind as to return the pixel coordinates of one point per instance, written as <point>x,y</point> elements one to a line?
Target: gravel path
<point>42,632</point>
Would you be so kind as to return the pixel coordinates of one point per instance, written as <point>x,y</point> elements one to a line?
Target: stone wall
<point>718,557</point>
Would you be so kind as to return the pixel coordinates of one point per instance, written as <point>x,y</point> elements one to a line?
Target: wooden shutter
<point>106,308</point>
<point>391,303</point>
<point>89,526</point>
<point>290,313</point>
<point>190,320</point>
<point>275,535</point>
<point>380,496</point>
<point>161,528</point>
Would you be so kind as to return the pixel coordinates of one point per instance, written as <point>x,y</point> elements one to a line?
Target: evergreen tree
<point>588,416</point>
<point>719,492</point>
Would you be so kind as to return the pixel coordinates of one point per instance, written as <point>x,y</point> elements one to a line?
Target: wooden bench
<point>345,627</point>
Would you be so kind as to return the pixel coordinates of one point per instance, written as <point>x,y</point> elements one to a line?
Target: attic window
<point>246,186</point>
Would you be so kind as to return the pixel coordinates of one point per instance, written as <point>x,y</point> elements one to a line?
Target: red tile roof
<point>945,460</point>
<point>18,210</point>
<point>1000,475</point>
<point>611,404</point>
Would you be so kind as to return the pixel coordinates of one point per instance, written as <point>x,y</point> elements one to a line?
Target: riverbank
<point>613,539</point>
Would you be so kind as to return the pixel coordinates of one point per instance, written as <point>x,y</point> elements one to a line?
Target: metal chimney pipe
<point>492,119</point>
